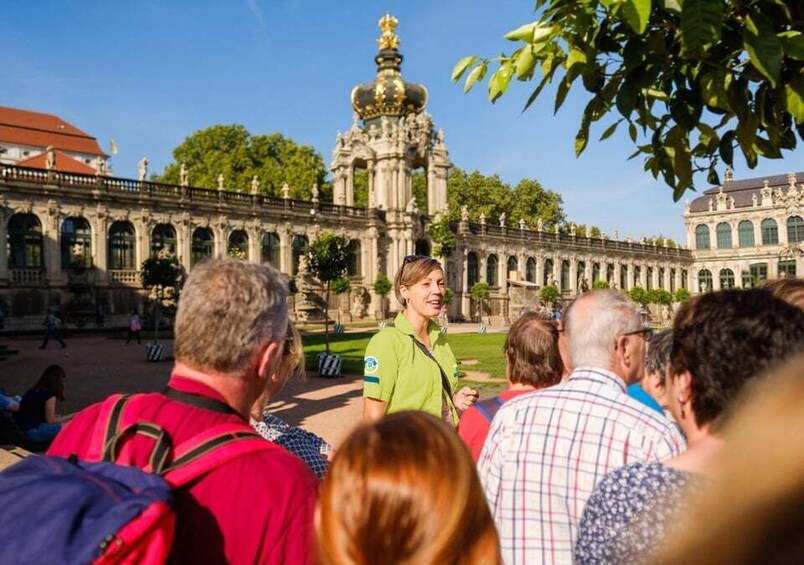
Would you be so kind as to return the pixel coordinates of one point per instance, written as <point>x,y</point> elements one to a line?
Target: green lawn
<point>485,348</point>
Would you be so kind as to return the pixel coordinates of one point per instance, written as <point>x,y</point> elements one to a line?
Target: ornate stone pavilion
<point>74,242</point>
<point>747,230</point>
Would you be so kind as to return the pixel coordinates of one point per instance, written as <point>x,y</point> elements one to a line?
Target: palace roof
<point>743,190</point>
<point>64,163</point>
<point>23,127</point>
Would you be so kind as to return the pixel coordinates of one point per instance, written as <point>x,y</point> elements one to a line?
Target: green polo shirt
<point>396,371</point>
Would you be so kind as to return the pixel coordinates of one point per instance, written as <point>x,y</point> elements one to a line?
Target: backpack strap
<point>211,449</point>
<point>106,426</point>
<point>489,407</point>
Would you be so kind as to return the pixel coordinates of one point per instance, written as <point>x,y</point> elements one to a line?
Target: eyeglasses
<point>410,259</point>
<point>646,333</point>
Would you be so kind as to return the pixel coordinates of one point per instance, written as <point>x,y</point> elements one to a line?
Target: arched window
<point>422,247</point>
<point>163,237</point>
<point>565,275</point>
<point>492,270</point>
<point>530,270</point>
<point>795,229</point>
<point>202,246</point>
<point>723,235</point>
<point>25,241</point>
<point>299,246</point>
<point>353,268</point>
<point>472,270</point>
<point>661,278</point>
<point>610,273</point>
<point>745,233</point>
<point>238,245</point>
<point>623,277</point>
<point>672,280</point>
<point>269,249</point>
<point>76,243</point>
<point>702,237</point>
<point>512,266</point>
<point>685,279</point>
<point>637,275</point>
<point>704,280</point>
<point>787,268</point>
<point>595,271</point>
<point>759,272</point>
<point>649,282</point>
<point>770,232</point>
<point>726,278</point>
<point>548,272</point>
<point>122,247</point>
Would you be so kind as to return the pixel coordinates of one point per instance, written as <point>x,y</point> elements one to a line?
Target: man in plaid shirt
<point>547,450</point>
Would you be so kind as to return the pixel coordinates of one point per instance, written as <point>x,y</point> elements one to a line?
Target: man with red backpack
<point>253,505</point>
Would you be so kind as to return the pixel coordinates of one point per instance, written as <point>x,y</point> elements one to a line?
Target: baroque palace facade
<point>75,241</point>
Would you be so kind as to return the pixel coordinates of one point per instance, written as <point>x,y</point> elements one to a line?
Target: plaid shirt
<point>547,450</point>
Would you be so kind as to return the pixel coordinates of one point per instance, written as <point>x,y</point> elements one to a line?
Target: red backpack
<point>65,510</point>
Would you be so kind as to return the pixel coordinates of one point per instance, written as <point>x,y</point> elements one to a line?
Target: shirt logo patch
<point>371,365</point>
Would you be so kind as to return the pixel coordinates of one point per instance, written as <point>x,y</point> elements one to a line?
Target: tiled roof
<point>64,163</point>
<point>743,190</point>
<point>23,127</point>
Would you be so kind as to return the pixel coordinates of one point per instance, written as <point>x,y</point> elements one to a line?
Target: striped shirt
<point>547,450</point>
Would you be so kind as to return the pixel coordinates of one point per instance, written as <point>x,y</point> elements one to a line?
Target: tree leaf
<point>726,147</point>
<point>477,74</point>
<point>576,56</point>
<point>498,83</point>
<point>794,98</point>
<point>461,66</point>
<point>713,90</point>
<point>561,93</point>
<point>672,5</point>
<point>610,130</point>
<point>792,44</point>
<point>701,22</point>
<point>636,14</point>
<point>525,62</point>
<point>764,48</point>
<point>522,33</point>
<point>632,132</point>
<point>582,137</point>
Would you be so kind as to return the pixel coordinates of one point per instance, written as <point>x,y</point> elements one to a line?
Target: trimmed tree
<point>480,291</point>
<point>639,295</point>
<point>161,276</point>
<point>382,286</point>
<point>549,294</point>
<point>682,294</point>
<point>444,241</point>
<point>660,296</point>
<point>341,286</point>
<point>328,262</point>
<point>600,284</point>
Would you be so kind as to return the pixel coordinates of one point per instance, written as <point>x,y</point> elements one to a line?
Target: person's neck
<point>419,324</point>
<point>234,390</point>
<point>703,448</point>
<point>518,387</point>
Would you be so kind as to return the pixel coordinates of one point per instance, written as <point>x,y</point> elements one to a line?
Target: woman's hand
<point>464,398</point>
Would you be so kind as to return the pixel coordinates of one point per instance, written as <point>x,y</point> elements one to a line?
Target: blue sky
<point>149,73</point>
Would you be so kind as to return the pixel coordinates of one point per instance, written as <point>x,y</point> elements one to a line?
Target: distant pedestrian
<point>134,327</point>
<point>51,330</point>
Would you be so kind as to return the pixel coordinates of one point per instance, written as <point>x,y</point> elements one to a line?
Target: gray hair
<point>658,357</point>
<point>594,322</point>
<point>228,310</point>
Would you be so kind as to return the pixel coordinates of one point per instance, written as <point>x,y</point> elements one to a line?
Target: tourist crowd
<point>564,466</point>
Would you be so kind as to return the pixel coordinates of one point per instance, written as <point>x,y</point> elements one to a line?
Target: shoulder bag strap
<point>198,401</point>
<point>211,449</point>
<point>489,407</point>
<point>444,380</point>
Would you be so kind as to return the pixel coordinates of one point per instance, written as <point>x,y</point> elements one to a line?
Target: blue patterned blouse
<point>627,515</point>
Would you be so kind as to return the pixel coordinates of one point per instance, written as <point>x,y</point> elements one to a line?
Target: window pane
<point>745,232</point>
<point>702,237</point>
<point>770,232</point>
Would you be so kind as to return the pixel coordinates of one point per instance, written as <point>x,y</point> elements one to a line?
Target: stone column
<point>100,246</point>
<point>4,217</point>
<point>253,245</point>
<point>573,276</point>
<point>372,198</point>
<point>630,276</point>
<point>465,304</point>
<point>184,238</point>
<point>285,250</point>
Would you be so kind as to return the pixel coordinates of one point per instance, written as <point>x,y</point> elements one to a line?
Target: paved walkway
<point>97,366</point>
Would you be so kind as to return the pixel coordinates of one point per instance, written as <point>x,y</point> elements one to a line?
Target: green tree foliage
<point>161,276</point>
<point>328,262</point>
<point>443,239</point>
<point>232,151</point>
<point>340,286</point>
<point>682,294</point>
<point>549,294</point>
<point>491,196</point>
<point>639,295</point>
<point>481,292</point>
<point>382,286</point>
<point>692,81</point>
<point>660,296</point>
<point>599,284</point>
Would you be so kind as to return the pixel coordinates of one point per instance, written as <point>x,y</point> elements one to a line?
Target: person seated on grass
<point>404,489</point>
<point>533,361</point>
<point>312,449</point>
<point>36,416</point>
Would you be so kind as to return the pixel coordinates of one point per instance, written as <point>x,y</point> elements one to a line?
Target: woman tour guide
<point>409,365</point>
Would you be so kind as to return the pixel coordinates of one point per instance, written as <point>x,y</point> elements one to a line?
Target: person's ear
<point>684,385</point>
<point>268,360</point>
